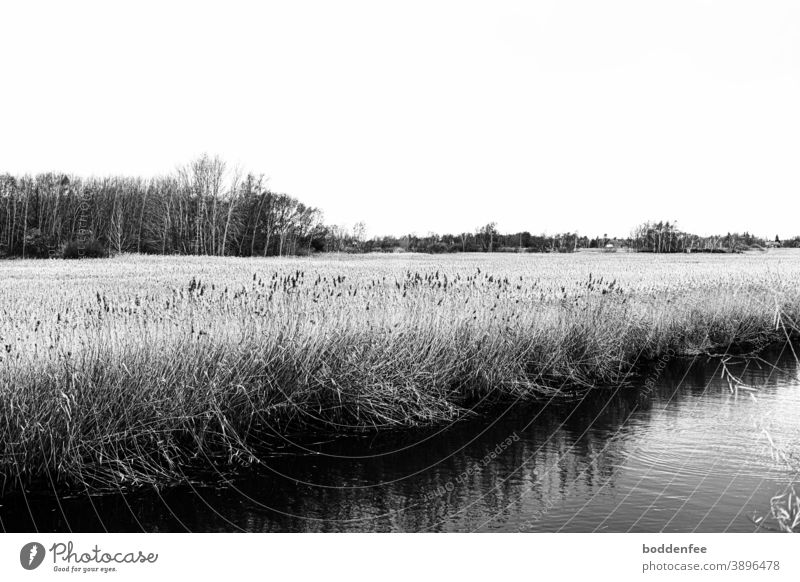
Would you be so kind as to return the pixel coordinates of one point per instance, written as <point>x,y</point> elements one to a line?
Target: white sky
<point>417,116</point>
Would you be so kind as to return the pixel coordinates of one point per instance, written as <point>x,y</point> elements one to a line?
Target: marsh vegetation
<point>129,371</point>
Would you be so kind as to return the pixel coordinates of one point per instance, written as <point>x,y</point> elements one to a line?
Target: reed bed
<point>137,370</point>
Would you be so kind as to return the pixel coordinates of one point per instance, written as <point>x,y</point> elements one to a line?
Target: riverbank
<point>688,457</point>
<point>130,371</point>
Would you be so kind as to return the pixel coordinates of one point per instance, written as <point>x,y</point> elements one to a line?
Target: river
<point>676,452</point>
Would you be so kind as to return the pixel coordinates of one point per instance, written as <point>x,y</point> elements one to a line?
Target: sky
<point>545,116</point>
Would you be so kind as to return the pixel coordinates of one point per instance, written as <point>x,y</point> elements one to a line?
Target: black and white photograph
<point>366,267</point>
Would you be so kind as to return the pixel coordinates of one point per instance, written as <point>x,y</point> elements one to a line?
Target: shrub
<point>91,249</point>
<point>38,244</point>
<point>318,245</point>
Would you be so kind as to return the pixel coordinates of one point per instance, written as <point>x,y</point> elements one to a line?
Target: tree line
<point>204,208</point>
<point>649,237</point>
<point>666,237</point>
<point>207,208</point>
<point>485,239</point>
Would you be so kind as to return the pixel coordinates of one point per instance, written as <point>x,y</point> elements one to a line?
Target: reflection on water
<point>688,456</point>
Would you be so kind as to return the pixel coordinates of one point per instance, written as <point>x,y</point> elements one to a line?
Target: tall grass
<point>132,370</point>
<point>784,510</point>
<point>784,507</point>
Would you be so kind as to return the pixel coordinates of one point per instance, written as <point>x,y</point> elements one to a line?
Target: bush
<point>318,245</point>
<point>91,249</point>
<point>38,244</point>
<point>436,248</point>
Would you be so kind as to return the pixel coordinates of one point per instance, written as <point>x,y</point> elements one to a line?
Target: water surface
<point>675,452</point>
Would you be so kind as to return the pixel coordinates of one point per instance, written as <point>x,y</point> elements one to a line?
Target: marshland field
<point>132,370</point>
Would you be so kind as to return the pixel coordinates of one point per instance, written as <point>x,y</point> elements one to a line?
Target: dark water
<point>687,456</point>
